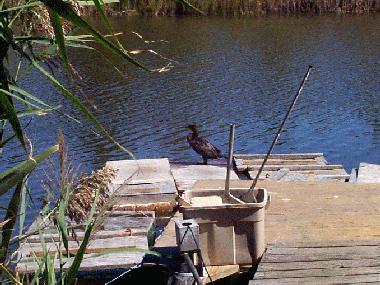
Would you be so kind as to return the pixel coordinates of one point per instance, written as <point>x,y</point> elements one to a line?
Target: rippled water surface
<point>243,71</point>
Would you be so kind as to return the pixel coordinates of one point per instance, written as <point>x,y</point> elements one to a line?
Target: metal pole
<point>192,268</point>
<point>247,194</point>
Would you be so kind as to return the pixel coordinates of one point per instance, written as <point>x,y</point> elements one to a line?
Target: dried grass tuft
<point>37,20</point>
<point>83,194</point>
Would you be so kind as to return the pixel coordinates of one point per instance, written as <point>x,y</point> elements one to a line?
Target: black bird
<point>202,146</point>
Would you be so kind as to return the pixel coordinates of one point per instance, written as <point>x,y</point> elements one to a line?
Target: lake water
<point>240,70</point>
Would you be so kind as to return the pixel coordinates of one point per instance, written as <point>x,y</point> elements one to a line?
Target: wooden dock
<point>291,167</point>
<point>121,232</point>
<point>142,191</point>
<point>312,215</point>
<point>331,231</point>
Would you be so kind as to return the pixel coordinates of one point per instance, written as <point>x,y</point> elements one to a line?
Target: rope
<point>122,274</point>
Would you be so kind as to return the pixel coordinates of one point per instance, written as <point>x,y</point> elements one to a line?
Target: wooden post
<point>229,159</point>
<point>227,193</point>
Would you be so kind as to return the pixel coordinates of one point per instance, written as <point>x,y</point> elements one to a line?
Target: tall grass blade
<point>11,177</point>
<point>11,214</point>
<point>66,12</point>
<point>73,270</point>
<point>9,275</point>
<point>23,207</point>
<point>59,37</point>
<point>34,98</point>
<point>61,219</point>
<point>80,106</point>
<point>21,7</point>
<point>99,7</point>
<point>38,112</point>
<point>125,249</point>
<point>7,108</point>
<point>3,223</point>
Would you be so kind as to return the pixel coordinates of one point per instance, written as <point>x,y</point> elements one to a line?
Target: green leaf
<point>8,110</point>
<point>125,249</point>
<point>21,7</point>
<point>59,38</point>
<point>73,270</point>
<point>66,12</point>
<point>99,7</point>
<point>76,45</point>
<point>80,106</point>
<point>63,202</point>
<point>19,98</point>
<point>11,214</point>
<point>34,98</point>
<point>9,275</point>
<point>11,177</point>
<point>23,206</point>
<point>34,112</point>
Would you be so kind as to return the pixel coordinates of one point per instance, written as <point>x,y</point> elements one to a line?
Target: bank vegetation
<point>249,7</point>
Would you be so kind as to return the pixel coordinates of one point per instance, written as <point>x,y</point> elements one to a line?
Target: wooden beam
<point>95,246</point>
<point>280,156</point>
<point>296,167</point>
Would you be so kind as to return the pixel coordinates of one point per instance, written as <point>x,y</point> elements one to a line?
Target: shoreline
<point>234,8</point>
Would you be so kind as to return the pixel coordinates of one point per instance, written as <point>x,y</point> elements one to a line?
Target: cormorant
<point>202,146</point>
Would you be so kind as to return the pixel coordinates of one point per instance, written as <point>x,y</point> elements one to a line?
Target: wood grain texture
<point>309,262</point>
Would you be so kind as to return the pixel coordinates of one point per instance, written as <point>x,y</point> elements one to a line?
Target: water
<point>243,71</point>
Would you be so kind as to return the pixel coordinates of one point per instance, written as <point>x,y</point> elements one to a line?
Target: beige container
<point>229,233</point>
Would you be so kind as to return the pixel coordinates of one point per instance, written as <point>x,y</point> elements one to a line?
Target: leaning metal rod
<point>279,130</point>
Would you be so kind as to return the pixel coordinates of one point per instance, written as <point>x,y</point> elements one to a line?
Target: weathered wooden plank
<point>368,173</point>
<point>146,188</point>
<point>141,171</point>
<point>128,222</point>
<point>219,272</point>
<point>275,161</point>
<point>186,175</point>
<point>363,278</point>
<point>280,156</point>
<point>342,177</point>
<point>121,260</point>
<point>280,258</point>
<point>285,174</point>
<point>317,252</point>
<point>316,272</point>
<point>95,246</point>
<point>144,198</point>
<point>297,167</point>
<point>48,237</point>
<point>324,244</point>
<point>298,265</point>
